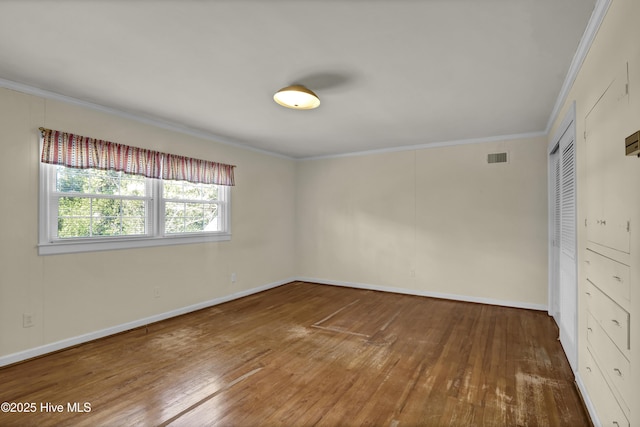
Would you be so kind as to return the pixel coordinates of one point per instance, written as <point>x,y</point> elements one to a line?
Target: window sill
<point>93,245</point>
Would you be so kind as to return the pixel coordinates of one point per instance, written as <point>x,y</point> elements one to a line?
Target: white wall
<point>436,221</point>
<point>74,294</point>
<point>432,221</point>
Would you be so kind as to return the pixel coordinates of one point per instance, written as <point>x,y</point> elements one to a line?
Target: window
<point>97,203</point>
<point>93,209</point>
<point>190,208</point>
<point>98,195</point>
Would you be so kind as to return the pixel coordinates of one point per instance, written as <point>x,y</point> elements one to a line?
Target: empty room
<point>337,213</point>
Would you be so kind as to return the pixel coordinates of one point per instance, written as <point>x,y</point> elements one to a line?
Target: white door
<point>563,295</point>
<point>554,235</point>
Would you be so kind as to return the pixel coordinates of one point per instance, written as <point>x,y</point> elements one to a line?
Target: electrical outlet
<point>156,292</point>
<point>234,277</point>
<point>27,320</point>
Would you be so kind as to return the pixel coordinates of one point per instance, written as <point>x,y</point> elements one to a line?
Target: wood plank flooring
<point>304,354</point>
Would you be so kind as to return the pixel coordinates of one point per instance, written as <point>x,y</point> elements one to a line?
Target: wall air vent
<point>497,158</point>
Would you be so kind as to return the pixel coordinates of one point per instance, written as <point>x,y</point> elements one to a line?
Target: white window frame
<point>49,244</point>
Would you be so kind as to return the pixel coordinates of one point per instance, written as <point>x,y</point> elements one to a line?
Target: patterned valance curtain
<point>67,149</point>
<point>182,168</point>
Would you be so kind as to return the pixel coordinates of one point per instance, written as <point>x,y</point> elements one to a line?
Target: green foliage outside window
<point>93,203</point>
<point>189,207</point>
<point>116,213</point>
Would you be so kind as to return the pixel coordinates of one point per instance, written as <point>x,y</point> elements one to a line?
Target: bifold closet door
<point>568,283</point>
<point>563,288</point>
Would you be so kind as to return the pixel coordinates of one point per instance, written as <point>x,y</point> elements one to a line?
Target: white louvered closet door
<point>554,244</point>
<point>568,292</point>
<point>568,210</point>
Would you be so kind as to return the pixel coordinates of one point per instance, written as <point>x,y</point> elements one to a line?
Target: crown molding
<point>599,12</point>
<point>152,121</point>
<point>432,145</point>
<point>165,124</point>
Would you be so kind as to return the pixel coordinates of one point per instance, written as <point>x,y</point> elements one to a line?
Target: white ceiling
<point>390,73</point>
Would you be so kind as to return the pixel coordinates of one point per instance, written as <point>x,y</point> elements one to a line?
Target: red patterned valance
<point>67,149</point>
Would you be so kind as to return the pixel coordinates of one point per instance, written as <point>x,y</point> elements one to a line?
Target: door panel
<point>608,211</point>
<point>568,274</point>
<point>563,295</point>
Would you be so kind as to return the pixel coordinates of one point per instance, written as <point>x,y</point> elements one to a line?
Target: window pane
<point>174,227</point>
<point>193,210</point>
<point>106,207</point>
<point>84,217</point>
<point>194,217</point>
<point>191,217</point>
<point>174,210</point>
<point>182,190</point>
<point>172,189</point>
<point>132,185</point>
<point>72,180</point>
<point>191,191</point>
<point>174,217</point>
<point>211,222</point>
<point>74,206</point>
<point>106,226</point>
<point>94,181</point>
<point>193,224</point>
<point>210,192</point>
<point>194,213</point>
<point>73,227</point>
<point>132,226</point>
<point>133,208</point>
<point>105,182</point>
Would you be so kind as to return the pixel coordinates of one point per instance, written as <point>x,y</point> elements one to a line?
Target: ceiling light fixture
<point>297,97</point>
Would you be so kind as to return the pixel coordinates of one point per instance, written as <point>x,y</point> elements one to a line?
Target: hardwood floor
<point>305,354</point>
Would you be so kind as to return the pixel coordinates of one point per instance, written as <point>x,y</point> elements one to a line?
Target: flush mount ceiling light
<point>297,97</point>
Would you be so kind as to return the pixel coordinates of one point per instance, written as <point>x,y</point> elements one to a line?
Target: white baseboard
<point>491,301</point>
<point>70,342</point>
<point>587,401</point>
<point>569,346</point>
